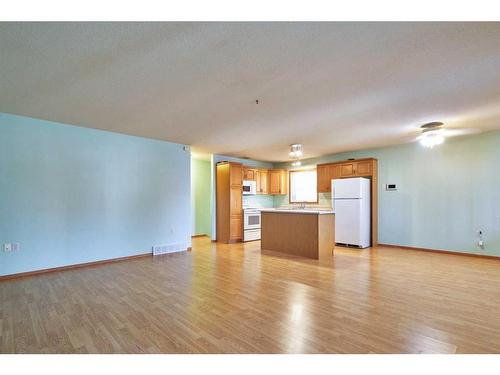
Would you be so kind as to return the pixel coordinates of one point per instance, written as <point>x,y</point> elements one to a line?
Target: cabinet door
<point>262,188</point>
<point>347,169</point>
<point>334,172</point>
<point>235,200</point>
<point>323,178</point>
<point>236,175</point>
<point>364,168</point>
<point>236,227</point>
<point>274,182</point>
<point>249,174</point>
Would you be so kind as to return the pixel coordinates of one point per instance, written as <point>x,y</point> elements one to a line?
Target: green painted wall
<point>200,197</point>
<point>445,195</point>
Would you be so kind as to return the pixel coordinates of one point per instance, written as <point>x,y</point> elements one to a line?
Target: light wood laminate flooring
<point>233,299</point>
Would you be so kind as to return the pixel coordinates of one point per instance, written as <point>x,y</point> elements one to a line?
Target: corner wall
<point>73,195</point>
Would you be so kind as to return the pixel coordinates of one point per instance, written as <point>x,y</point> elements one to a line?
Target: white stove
<point>251,223</point>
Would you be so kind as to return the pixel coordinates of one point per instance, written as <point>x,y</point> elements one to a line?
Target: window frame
<point>290,186</point>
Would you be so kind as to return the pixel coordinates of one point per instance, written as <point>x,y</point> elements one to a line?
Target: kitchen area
<point>271,205</point>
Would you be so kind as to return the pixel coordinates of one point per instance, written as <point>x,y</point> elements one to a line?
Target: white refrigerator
<point>351,203</point>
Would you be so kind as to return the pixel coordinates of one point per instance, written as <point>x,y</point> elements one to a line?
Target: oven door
<point>251,220</point>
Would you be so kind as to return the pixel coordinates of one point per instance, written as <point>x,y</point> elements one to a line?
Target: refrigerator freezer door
<point>347,188</point>
<point>347,221</point>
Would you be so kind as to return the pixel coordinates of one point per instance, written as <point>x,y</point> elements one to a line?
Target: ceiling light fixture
<point>295,153</point>
<point>432,134</point>
<point>295,150</point>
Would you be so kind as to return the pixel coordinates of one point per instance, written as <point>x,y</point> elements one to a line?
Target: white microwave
<point>249,187</point>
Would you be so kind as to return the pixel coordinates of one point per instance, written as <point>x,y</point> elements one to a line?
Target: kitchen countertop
<point>312,211</point>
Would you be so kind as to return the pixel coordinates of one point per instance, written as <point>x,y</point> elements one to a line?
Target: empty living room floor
<point>233,299</point>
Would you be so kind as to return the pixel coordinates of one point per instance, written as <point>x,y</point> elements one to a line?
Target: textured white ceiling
<point>331,86</point>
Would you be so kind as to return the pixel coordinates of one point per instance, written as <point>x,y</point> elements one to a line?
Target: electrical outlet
<point>15,246</point>
<point>480,242</point>
<point>7,247</point>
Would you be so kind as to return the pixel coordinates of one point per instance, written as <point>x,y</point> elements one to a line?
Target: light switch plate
<point>7,247</point>
<point>15,246</point>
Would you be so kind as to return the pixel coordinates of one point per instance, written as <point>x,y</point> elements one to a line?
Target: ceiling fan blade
<point>447,132</point>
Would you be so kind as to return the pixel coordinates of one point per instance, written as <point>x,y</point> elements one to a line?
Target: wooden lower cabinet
<point>306,235</point>
<point>236,227</point>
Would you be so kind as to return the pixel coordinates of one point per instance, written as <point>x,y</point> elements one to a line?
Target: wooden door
<point>235,201</point>
<point>347,169</point>
<point>334,172</point>
<point>262,188</point>
<point>274,182</point>
<point>323,178</point>
<point>236,227</point>
<point>364,168</point>
<point>236,174</point>
<point>249,174</point>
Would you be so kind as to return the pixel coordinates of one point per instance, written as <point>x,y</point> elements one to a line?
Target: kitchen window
<point>303,186</point>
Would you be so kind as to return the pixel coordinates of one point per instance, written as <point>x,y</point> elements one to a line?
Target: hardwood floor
<point>231,299</point>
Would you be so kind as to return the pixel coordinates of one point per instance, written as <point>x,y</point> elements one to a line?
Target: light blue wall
<point>72,195</point>
<point>444,194</point>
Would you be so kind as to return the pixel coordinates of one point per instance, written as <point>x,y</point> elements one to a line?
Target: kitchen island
<point>301,232</point>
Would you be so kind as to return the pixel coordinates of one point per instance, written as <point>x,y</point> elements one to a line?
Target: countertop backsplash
<point>324,201</point>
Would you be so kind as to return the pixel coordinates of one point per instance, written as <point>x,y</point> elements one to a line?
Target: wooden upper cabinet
<point>347,169</point>
<point>364,168</point>
<point>249,174</point>
<point>333,173</point>
<point>277,181</point>
<point>262,181</point>
<point>274,182</point>
<point>236,174</point>
<point>323,178</point>
<point>325,174</point>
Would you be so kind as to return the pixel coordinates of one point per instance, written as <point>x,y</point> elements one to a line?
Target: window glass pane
<point>303,186</point>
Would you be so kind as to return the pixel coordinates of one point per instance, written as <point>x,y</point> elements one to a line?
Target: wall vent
<point>169,248</point>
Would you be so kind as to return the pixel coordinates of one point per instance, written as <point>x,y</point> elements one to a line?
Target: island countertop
<point>313,211</point>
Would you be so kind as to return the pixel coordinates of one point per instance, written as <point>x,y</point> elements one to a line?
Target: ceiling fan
<point>434,133</point>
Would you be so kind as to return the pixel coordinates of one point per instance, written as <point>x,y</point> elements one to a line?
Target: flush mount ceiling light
<point>295,153</point>
<point>432,134</point>
<point>295,150</point>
